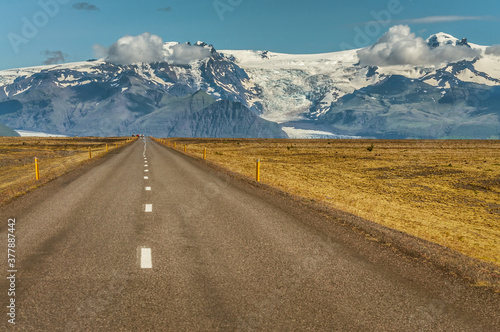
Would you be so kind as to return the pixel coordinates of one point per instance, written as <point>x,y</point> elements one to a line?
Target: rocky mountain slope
<point>6,131</point>
<point>451,91</point>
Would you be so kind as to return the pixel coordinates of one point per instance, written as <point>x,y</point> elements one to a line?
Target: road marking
<point>146,165</point>
<point>146,262</point>
<point>146,170</point>
<point>148,188</point>
<point>148,208</point>
<point>146,178</point>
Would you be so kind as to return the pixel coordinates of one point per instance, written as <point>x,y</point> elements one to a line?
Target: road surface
<point>148,239</point>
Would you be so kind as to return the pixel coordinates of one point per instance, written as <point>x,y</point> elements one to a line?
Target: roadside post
<point>257,176</point>
<point>37,170</point>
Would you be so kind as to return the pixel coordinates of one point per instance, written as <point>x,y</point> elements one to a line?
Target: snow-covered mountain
<point>334,93</point>
<point>265,94</point>
<point>101,98</point>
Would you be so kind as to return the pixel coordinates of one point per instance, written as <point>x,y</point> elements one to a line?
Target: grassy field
<point>56,156</point>
<point>447,192</point>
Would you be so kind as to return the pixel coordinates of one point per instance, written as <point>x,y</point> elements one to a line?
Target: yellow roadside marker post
<point>107,148</point>
<point>257,175</point>
<point>37,170</point>
<point>185,148</point>
<point>90,153</point>
<point>204,153</point>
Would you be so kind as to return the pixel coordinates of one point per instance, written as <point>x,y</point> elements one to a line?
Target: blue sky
<point>36,31</point>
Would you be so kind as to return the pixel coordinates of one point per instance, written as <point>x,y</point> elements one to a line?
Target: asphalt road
<point>96,250</point>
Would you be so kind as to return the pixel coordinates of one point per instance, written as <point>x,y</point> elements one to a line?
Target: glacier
<point>328,95</point>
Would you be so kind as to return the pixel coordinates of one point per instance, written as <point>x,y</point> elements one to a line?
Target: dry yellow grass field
<point>447,192</point>
<point>56,157</point>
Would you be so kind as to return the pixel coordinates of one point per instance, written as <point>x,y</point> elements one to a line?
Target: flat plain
<point>56,156</point>
<point>446,192</point>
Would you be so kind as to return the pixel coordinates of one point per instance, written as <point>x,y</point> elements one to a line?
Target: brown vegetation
<point>447,192</point>
<point>56,157</point>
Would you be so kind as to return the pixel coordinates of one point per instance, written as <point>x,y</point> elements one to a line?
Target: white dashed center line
<point>146,262</point>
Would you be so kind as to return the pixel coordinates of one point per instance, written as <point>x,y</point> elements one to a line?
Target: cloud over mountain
<point>145,48</point>
<point>493,50</point>
<point>183,54</point>
<point>149,48</point>
<point>399,46</point>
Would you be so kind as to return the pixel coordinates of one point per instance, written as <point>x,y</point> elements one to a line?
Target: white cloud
<point>446,19</point>
<point>439,19</point>
<point>145,48</point>
<point>493,50</point>
<point>183,54</point>
<point>149,48</point>
<point>399,46</point>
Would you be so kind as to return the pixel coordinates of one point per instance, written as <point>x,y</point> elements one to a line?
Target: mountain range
<point>262,94</point>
